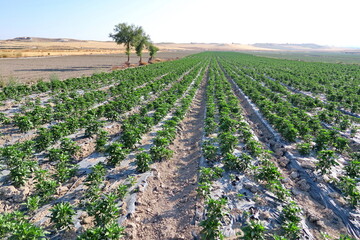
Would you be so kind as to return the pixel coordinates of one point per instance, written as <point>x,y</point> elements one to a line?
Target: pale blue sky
<point>327,22</point>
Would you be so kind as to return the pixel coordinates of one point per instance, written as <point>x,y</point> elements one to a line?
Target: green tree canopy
<point>128,35</point>
<point>152,51</point>
<point>141,41</point>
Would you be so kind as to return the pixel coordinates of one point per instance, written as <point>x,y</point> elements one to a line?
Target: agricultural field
<point>32,70</point>
<point>213,145</point>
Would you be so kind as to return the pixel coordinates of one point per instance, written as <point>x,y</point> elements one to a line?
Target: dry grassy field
<point>40,47</point>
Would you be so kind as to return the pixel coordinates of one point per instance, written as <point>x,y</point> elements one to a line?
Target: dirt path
<point>166,209</point>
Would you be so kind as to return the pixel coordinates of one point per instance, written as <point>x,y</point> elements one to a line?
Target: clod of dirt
<point>303,185</point>
<point>283,161</point>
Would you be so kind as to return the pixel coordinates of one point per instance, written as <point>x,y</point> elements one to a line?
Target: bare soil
<point>20,70</point>
<point>166,209</point>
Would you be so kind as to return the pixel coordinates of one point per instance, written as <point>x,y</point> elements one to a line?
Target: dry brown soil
<point>62,67</point>
<point>166,209</point>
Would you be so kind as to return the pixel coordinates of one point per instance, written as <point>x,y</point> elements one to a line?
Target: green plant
<point>24,123</point>
<point>291,220</point>
<point>152,51</point>
<point>209,151</point>
<point>240,163</point>
<point>210,174</point>
<point>345,237</point>
<point>20,172</point>
<point>17,160</point>
<point>268,172</point>
<point>227,142</point>
<point>45,186</point>
<point>348,187</point>
<point>352,169</point>
<point>14,225</point>
<point>254,147</point>
<point>215,214</point>
<point>132,180</point>
<point>127,35</point>
<point>210,126</point>
<point>93,128</point>
<point>104,209</point>
<point>111,231</point>
<point>4,119</point>
<point>326,161</point>
<point>97,174</point>
<point>122,190</point>
<point>203,189</point>
<point>255,230</point>
<point>276,187</point>
<point>161,141</point>
<point>32,203</point>
<point>131,137</point>
<point>160,153</point>
<point>304,148</point>
<point>117,153</point>
<point>143,161</point>
<point>62,214</point>
<point>64,168</point>
<point>101,139</point>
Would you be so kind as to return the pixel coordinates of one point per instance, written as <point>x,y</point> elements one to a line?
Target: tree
<point>127,35</point>
<point>152,51</point>
<point>141,41</point>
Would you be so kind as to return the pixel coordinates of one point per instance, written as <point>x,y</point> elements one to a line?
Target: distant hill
<point>37,39</point>
<point>294,47</point>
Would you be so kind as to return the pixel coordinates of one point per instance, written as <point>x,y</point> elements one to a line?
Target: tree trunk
<point>128,52</point>
<point>140,58</point>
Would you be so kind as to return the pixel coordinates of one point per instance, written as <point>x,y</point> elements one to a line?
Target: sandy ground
<point>166,209</point>
<point>62,67</point>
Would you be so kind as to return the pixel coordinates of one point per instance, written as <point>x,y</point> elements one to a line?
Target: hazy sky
<point>327,22</point>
